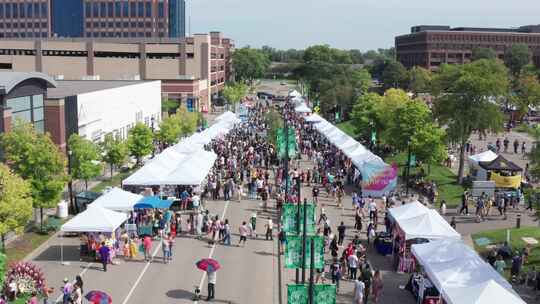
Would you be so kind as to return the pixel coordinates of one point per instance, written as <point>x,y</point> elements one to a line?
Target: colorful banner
<point>293,252</point>
<point>506,181</point>
<point>297,294</point>
<point>378,179</point>
<point>289,215</point>
<point>282,145</point>
<point>322,294</point>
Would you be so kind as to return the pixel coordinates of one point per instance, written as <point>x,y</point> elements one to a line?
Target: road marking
<point>203,277</point>
<point>141,275</point>
<point>61,296</point>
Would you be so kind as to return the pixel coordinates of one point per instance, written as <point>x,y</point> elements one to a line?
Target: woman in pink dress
<point>377,286</point>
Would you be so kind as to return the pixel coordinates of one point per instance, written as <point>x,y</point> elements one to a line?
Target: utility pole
<point>311,270</point>
<point>304,247</point>
<point>408,167</point>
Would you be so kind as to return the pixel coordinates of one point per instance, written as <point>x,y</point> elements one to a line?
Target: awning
<point>95,219</point>
<point>500,164</point>
<point>118,200</point>
<point>429,226</point>
<point>153,202</point>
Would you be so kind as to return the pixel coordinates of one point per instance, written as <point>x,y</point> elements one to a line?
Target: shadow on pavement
<point>53,253</point>
<point>180,294</point>
<point>264,253</point>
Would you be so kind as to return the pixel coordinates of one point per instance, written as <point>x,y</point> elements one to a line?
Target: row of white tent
<point>360,155</point>
<point>186,163</point>
<point>460,275</point>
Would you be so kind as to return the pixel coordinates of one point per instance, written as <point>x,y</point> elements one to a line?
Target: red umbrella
<point>209,265</point>
<point>98,297</point>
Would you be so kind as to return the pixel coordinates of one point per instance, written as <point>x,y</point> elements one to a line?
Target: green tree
<point>394,75</point>
<point>361,80</point>
<point>419,80</point>
<point>405,120</point>
<point>140,142</point>
<point>188,121</point>
<point>169,106</point>
<point>15,203</point>
<point>169,130</point>
<point>483,53</point>
<point>115,151</point>
<point>516,58</point>
<point>428,144</point>
<point>462,100</point>
<point>38,160</point>
<point>85,159</point>
<point>366,115</point>
<point>527,93</point>
<point>234,93</point>
<point>250,64</point>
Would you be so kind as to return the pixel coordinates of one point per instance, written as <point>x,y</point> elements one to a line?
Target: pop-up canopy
<point>153,202</point>
<point>488,292</point>
<point>408,211</point>
<point>485,156</point>
<point>429,226</point>
<point>302,108</point>
<point>95,219</point>
<point>118,200</point>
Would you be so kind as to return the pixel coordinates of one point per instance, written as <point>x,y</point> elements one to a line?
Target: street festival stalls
<point>503,172</point>
<point>295,93</point>
<point>477,172</point>
<point>454,272</point>
<point>302,108</point>
<point>378,178</point>
<point>99,224</point>
<point>118,200</point>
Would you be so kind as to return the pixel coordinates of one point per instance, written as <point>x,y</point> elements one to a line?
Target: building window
<point>161,10</point>
<point>118,24</point>
<point>125,9</point>
<point>22,10</point>
<point>102,9</point>
<point>148,9</point>
<point>125,24</point>
<point>148,24</point>
<point>15,8</point>
<point>95,9</point>
<point>132,9</point>
<point>190,55</point>
<point>148,34</point>
<point>140,9</point>
<point>140,24</point>
<point>103,24</point>
<point>88,10</point>
<point>44,12</point>
<point>111,24</point>
<point>110,9</point>
<point>1,10</point>
<point>125,34</point>
<point>133,24</point>
<point>118,9</point>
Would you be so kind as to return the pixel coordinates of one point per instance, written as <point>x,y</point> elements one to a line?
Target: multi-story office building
<point>92,18</point>
<point>430,46</point>
<point>192,69</point>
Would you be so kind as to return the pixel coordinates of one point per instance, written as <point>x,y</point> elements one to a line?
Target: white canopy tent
<point>93,219</point>
<point>429,226</point>
<point>295,93</point>
<point>454,268</point>
<point>475,169</point>
<point>488,292</point>
<point>408,211</point>
<point>193,170</point>
<point>485,156</point>
<point>118,200</point>
<point>302,108</point>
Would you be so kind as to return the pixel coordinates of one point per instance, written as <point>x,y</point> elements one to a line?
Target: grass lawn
<point>499,236</point>
<point>24,245</point>
<point>115,181</point>
<point>348,128</point>
<point>449,189</point>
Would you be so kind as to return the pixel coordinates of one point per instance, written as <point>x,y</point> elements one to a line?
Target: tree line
<point>35,171</point>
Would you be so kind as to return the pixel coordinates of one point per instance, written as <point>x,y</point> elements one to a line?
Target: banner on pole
<point>289,215</point>
<point>293,252</point>
<point>322,293</point>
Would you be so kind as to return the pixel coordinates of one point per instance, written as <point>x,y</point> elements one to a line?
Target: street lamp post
<point>72,205</point>
<point>153,141</point>
<point>408,167</point>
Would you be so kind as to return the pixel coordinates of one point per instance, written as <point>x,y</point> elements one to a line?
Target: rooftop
<point>65,88</point>
<point>9,80</point>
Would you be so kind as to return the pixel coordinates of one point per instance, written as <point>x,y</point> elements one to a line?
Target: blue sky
<point>360,24</point>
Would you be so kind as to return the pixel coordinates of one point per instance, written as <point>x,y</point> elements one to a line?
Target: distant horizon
<point>347,24</point>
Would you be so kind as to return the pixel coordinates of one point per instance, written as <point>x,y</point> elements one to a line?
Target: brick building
<point>430,46</point>
<point>192,69</point>
<point>92,18</point>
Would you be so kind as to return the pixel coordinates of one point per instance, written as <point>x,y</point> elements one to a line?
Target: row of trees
<point>36,170</point>
<point>347,56</point>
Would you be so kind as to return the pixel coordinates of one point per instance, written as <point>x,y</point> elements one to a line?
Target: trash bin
<point>62,209</point>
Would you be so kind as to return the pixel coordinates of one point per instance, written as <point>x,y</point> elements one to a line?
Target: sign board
<point>322,294</point>
<point>293,252</point>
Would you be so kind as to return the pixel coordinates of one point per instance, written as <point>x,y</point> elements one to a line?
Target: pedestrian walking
<point>353,266</point>
<point>377,286</point>
<point>104,254</point>
<point>269,230</point>
<point>359,288</point>
<point>66,291</point>
<point>341,233</point>
<point>336,271</point>
<point>212,279</point>
<point>147,246</point>
<point>243,233</point>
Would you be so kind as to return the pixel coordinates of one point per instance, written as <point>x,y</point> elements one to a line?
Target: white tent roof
<point>485,156</point>
<point>118,200</point>
<point>429,226</point>
<point>302,108</point>
<point>408,211</point>
<point>95,219</point>
<point>454,267</point>
<point>192,171</point>
<point>313,118</point>
<point>488,292</point>
<point>295,93</point>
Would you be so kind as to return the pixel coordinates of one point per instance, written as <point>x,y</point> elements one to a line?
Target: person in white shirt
<point>212,278</point>
<point>196,202</point>
<point>372,208</point>
<point>359,287</point>
<point>353,266</point>
<point>243,233</point>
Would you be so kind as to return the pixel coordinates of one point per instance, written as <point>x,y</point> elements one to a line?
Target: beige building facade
<point>192,69</point>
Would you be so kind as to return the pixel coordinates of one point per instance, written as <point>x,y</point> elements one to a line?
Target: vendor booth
<point>95,220</point>
<point>503,172</point>
<point>302,108</point>
<point>451,269</point>
<point>477,172</point>
<point>414,223</point>
<point>118,200</point>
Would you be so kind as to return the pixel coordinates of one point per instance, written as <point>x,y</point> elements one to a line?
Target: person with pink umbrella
<point>210,266</point>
